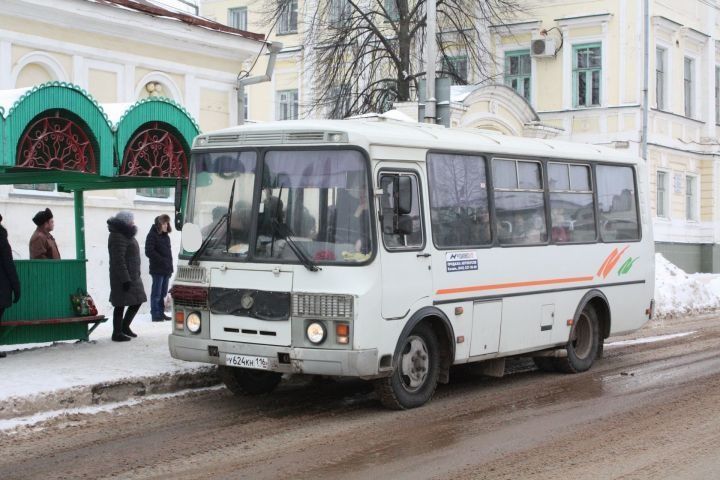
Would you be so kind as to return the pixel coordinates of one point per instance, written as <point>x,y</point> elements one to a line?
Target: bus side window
<point>399,241</point>
<point>458,201</point>
<point>572,213</point>
<point>519,202</point>
<point>617,199</point>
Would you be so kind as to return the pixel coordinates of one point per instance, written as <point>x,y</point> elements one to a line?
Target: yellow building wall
<point>111,44</point>
<point>214,109</point>
<point>103,85</point>
<point>32,74</point>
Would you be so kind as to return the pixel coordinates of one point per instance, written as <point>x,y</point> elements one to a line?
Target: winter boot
<point>117,335</point>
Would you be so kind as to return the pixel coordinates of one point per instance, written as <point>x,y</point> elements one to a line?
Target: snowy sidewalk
<point>67,374</point>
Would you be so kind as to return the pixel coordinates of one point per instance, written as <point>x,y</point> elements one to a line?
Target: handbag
<point>82,303</point>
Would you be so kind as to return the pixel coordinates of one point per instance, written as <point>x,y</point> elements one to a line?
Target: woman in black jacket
<point>9,283</point>
<point>159,251</point>
<point>126,287</point>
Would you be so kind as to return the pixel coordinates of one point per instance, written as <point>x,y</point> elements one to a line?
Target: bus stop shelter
<point>57,133</point>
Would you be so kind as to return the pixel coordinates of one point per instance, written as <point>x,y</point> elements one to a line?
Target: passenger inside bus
<point>349,218</point>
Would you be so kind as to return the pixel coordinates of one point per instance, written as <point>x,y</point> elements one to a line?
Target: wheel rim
<point>415,364</point>
<point>582,336</point>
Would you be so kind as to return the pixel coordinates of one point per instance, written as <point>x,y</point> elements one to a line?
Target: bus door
<point>406,275</point>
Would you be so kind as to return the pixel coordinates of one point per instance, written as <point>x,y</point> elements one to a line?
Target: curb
<point>101,393</point>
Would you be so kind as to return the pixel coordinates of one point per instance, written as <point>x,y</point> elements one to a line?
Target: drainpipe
<point>431,56</point>
<point>646,74</point>
<point>275,48</point>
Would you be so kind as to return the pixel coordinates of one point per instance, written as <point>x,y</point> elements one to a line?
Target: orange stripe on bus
<point>613,262</point>
<point>498,286</point>
<point>607,259</point>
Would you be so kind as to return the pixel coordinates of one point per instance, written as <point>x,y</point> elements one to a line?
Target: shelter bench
<point>95,320</point>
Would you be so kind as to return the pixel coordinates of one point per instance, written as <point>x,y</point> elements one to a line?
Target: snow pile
<point>679,293</point>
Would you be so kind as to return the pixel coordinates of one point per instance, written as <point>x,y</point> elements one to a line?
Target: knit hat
<point>42,216</point>
<point>125,217</point>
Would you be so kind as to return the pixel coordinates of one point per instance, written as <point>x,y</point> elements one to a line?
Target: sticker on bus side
<point>461,261</point>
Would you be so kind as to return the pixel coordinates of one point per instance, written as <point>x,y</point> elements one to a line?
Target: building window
<point>339,99</point>
<point>287,105</point>
<point>587,72</point>
<point>660,78</point>
<point>691,197</point>
<point>339,14</point>
<point>456,68</point>
<point>391,9</point>
<point>688,80</point>
<point>717,95</point>
<point>37,187</point>
<point>517,72</point>
<point>237,18</point>
<point>288,19</point>
<point>662,196</point>
<point>158,192</point>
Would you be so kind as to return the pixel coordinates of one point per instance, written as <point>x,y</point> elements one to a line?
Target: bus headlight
<point>316,332</point>
<point>193,322</point>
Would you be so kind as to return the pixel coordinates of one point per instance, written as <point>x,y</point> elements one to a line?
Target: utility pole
<point>430,56</point>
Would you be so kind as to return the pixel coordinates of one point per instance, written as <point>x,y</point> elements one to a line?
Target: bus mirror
<point>178,205</point>
<point>404,195</point>
<point>191,238</point>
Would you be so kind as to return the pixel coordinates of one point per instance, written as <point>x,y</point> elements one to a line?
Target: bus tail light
<point>180,320</point>
<point>342,333</point>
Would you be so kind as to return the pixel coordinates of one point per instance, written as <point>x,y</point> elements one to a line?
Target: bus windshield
<point>314,201</point>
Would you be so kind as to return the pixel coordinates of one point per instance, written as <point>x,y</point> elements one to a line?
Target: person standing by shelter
<point>9,282</point>
<point>159,251</point>
<point>126,287</point>
<point>42,243</point>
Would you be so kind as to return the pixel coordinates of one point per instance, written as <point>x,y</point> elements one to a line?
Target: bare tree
<point>366,54</point>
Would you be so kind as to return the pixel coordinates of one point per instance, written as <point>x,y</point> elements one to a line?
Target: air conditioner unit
<point>542,47</point>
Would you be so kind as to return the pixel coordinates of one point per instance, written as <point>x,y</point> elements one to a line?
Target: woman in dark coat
<point>159,251</point>
<point>9,283</point>
<point>126,287</point>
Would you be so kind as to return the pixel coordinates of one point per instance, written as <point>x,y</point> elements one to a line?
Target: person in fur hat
<point>42,243</point>
<point>159,251</point>
<point>126,287</point>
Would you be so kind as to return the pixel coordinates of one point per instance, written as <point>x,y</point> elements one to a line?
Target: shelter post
<point>79,225</point>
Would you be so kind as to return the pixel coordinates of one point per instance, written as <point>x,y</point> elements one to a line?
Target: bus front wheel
<point>583,345</point>
<point>415,376</point>
<point>244,381</point>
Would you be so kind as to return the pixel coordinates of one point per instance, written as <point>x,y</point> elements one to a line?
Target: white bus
<point>391,251</point>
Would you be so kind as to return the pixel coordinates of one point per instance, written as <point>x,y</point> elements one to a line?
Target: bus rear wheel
<point>244,381</point>
<point>583,345</point>
<point>415,377</point>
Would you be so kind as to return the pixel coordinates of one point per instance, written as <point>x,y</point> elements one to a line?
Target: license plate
<point>248,361</point>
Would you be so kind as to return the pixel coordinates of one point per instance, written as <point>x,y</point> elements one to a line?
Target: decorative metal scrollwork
<point>154,151</point>
<point>56,143</point>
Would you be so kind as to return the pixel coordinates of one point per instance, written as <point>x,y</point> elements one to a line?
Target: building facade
<point>573,69</point>
<point>119,52</point>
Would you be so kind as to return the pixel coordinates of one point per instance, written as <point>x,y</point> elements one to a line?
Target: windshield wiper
<point>215,228</point>
<point>286,232</point>
<point>207,240</point>
<point>229,216</point>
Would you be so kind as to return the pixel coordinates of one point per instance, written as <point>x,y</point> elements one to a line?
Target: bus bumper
<point>345,363</point>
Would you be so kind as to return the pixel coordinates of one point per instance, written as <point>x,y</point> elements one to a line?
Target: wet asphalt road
<point>644,411</point>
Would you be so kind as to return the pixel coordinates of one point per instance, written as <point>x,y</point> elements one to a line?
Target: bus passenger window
<point>519,202</point>
<point>617,200</point>
<point>572,213</point>
<point>458,201</point>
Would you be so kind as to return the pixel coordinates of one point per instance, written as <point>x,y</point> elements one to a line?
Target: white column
<point>80,75</point>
